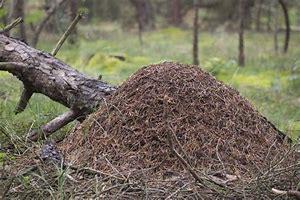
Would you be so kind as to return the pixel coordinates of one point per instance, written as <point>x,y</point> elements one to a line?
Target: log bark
<point>42,73</point>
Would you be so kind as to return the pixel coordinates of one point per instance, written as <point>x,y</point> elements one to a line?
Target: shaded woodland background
<point>252,45</point>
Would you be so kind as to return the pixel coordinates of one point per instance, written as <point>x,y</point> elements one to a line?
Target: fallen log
<point>42,73</point>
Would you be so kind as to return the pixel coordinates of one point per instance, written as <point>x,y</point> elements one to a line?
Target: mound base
<point>171,124</point>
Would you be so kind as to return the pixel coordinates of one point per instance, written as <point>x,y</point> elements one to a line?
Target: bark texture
<point>42,73</point>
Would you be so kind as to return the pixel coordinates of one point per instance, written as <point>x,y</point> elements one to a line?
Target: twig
<point>111,188</point>
<point>24,99</point>
<point>290,193</point>
<point>180,147</point>
<point>218,155</point>
<point>12,25</point>
<point>94,171</point>
<point>7,188</point>
<point>12,178</point>
<point>66,34</point>
<point>193,172</point>
<point>178,190</point>
<point>115,169</point>
<point>55,124</point>
<point>285,156</point>
<point>183,161</point>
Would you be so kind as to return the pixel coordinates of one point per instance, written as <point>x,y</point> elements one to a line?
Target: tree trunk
<point>241,58</point>
<point>195,31</point>
<point>50,12</point>
<point>51,25</point>
<point>17,10</point>
<point>176,17</point>
<point>275,29</point>
<point>258,15</point>
<point>73,14</point>
<point>144,14</point>
<point>287,25</point>
<point>269,18</point>
<point>42,73</point>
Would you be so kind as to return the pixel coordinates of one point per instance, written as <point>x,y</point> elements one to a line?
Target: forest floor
<point>269,80</point>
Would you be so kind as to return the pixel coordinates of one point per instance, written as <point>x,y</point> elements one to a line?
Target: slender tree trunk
<point>73,14</point>
<point>258,15</point>
<point>298,15</point>
<point>269,18</point>
<point>196,30</point>
<point>287,25</point>
<point>144,16</point>
<point>275,29</point>
<point>176,17</point>
<point>241,58</point>
<point>140,30</point>
<point>17,10</point>
<point>51,24</point>
<point>50,12</point>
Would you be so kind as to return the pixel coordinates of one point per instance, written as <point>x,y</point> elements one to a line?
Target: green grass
<point>271,81</point>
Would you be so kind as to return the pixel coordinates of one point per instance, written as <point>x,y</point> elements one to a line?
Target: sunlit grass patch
<point>258,81</point>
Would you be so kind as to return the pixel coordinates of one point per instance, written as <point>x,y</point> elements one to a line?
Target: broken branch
<point>12,25</point>
<point>66,34</point>
<point>55,124</point>
<point>11,66</point>
<point>24,99</point>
